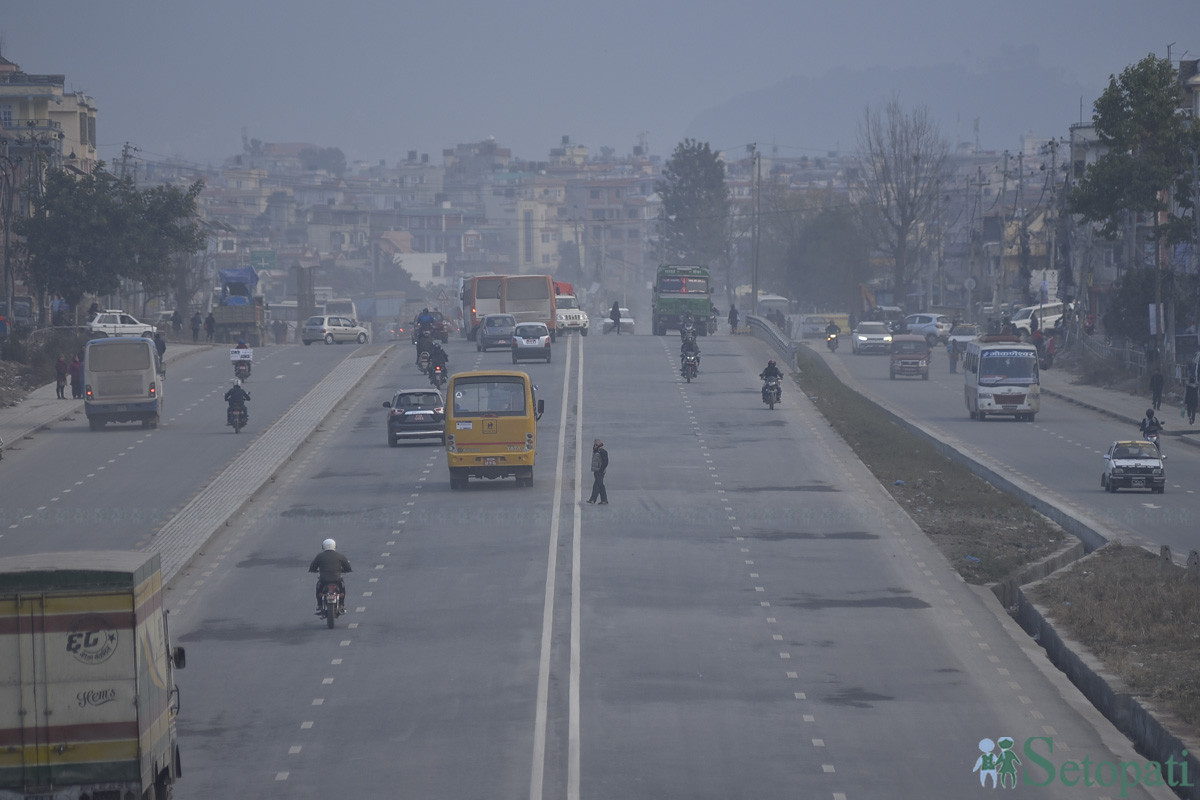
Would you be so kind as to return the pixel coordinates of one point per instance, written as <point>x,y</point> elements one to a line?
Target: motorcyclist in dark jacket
<point>437,358</point>
<point>1151,426</point>
<point>236,397</point>
<point>688,347</point>
<point>771,371</point>
<point>329,565</point>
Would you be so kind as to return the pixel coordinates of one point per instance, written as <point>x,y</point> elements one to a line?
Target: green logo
<point>998,761</point>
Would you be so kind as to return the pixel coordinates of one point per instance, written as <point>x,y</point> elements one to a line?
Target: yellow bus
<point>491,426</point>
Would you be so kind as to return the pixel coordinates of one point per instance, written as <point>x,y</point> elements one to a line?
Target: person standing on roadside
<point>210,326</point>
<point>196,323</point>
<point>733,318</point>
<point>60,377</point>
<point>599,467</point>
<point>1156,389</point>
<point>76,372</point>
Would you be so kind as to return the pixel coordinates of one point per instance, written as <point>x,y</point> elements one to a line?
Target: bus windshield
<point>1010,367</point>
<point>500,396</point>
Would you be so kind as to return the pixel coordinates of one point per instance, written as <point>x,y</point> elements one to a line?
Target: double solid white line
<point>543,685</point>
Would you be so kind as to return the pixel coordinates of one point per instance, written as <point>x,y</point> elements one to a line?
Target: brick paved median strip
<point>185,533</point>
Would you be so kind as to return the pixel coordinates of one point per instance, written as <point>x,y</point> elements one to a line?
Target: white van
<point>1049,315</point>
<point>122,381</point>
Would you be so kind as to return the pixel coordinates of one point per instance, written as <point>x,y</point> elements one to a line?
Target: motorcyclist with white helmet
<point>330,564</point>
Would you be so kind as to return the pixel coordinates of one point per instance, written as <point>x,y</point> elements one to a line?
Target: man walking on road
<point>599,465</point>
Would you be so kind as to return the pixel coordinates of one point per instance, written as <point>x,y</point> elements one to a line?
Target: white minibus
<point>1001,378</point>
<point>122,381</point>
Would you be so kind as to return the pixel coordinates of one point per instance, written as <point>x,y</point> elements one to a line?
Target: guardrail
<point>763,329</point>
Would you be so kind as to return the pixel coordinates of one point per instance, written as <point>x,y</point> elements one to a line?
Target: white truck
<point>568,315</point>
<point>87,694</point>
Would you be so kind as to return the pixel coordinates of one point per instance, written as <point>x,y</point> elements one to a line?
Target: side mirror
<point>541,408</point>
<point>179,658</point>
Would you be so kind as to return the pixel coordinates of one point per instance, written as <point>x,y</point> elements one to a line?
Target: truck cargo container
<point>87,695</point>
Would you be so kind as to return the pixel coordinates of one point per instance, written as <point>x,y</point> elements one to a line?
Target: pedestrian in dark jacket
<point>196,323</point>
<point>210,325</point>
<point>733,318</point>
<point>615,315</point>
<point>60,376</point>
<point>160,344</point>
<point>599,467</point>
<point>1156,390</point>
<point>76,372</point>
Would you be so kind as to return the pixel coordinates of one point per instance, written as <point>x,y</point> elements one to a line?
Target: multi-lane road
<point>751,616</point>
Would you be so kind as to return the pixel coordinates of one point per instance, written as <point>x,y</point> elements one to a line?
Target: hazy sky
<point>378,79</point>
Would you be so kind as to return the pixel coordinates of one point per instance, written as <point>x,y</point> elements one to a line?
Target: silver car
<point>332,330</point>
<point>531,340</point>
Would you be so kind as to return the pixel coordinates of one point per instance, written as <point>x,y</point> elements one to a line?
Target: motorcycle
<point>831,341</point>
<point>237,416</point>
<point>690,367</point>
<point>241,358</point>
<point>333,603</point>
<point>437,376</point>
<point>772,392</point>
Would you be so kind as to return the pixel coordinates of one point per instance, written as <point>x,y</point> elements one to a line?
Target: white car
<point>870,337</point>
<point>627,322</point>
<point>114,322</point>
<point>569,316</point>
<point>934,327</point>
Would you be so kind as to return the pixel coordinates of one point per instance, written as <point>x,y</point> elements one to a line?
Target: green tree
<point>1148,142</point>
<point>829,259</point>
<point>330,159</point>
<point>87,233</point>
<point>902,157</point>
<point>695,207</point>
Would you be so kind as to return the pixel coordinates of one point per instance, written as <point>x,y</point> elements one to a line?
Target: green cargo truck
<point>87,694</point>
<point>677,290</point>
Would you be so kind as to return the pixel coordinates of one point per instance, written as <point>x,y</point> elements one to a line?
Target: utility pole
<point>756,176</point>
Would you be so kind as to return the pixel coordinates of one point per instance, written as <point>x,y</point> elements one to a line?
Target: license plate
<point>489,461</point>
<point>531,341</point>
<point>1137,483</point>
<point>420,417</point>
<point>121,408</point>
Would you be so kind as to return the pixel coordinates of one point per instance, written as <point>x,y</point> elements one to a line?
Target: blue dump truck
<point>238,310</point>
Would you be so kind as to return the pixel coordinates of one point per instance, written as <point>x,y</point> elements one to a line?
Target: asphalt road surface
<point>750,617</point>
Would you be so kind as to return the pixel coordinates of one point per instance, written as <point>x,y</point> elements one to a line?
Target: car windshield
<point>530,331</point>
<point>872,327</point>
<point>910,348</point>
<point>1135,451</point>
<point>315,321</point>
<point>500,322</point>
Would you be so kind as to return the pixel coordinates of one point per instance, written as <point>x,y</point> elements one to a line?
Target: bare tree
<point>902,157</point>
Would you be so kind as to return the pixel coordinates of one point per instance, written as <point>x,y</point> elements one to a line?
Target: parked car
<point>934,327</point>
<point>628,324</point>
<point>114,322</point>
<point>871,337</point>
<point>416,414</point>
<point>909,356</point>
<point>496,330</point>
<point>332,330</point>
<point>1133,464</point>
<point>531,340</point>
<point>1049,315</point>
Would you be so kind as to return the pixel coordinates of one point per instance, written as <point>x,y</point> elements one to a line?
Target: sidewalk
<point>42,407</point>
